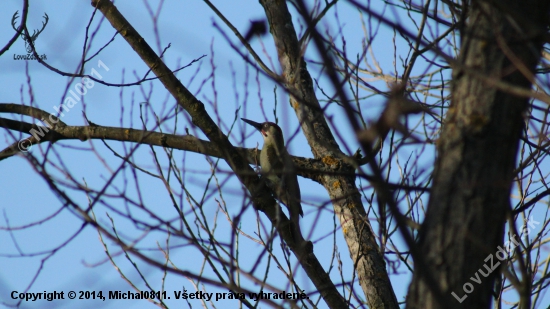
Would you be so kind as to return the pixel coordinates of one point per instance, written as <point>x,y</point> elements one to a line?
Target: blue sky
<point>188,27</point>
<point>81,265</point>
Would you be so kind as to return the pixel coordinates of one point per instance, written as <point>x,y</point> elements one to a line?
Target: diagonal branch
<point>260,195</point>
<point>368,259</point>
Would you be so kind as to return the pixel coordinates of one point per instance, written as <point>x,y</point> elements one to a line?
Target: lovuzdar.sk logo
<point>29,38</point>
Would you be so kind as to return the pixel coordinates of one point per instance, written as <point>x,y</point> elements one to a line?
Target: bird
<point>278,169</point>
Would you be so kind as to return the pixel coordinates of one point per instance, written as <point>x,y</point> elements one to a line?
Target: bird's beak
<point>256,125</point>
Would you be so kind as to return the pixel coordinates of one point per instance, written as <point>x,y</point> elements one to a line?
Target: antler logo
<point>31,38</point>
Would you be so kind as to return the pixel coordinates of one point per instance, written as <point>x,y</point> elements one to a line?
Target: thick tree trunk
<point>477,150</point>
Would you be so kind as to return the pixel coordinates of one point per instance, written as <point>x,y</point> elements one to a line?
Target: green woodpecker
<point>278,169</point>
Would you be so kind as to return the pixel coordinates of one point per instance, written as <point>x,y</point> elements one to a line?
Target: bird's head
<point>271,132</point>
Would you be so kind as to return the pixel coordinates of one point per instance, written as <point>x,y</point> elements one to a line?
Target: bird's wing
<point>277,164</point>
<point>291,186</point>
<point>287,190</point>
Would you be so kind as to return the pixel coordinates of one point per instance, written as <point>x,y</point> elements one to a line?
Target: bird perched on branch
<point>278,169</point>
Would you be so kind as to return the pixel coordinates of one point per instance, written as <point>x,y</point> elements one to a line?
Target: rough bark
<point>477,150</point>
<point>364,251</point>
